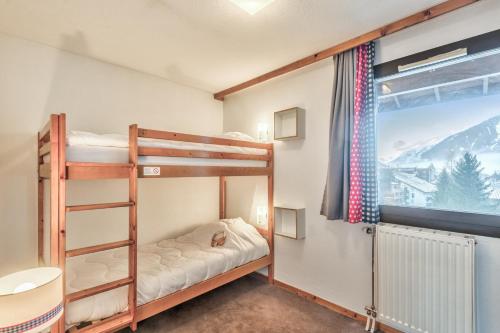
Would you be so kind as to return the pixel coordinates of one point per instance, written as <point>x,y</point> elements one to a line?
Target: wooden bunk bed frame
<point>52,142</point>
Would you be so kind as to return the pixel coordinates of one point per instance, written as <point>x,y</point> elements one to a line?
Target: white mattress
<point>163,267</point>
<point>120,155</point>
<point>113,148</point>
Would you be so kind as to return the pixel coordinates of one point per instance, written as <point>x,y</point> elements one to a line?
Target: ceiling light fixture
<point>252,6</point>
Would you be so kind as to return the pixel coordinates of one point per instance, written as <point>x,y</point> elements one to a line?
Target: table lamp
<point>30,300</point>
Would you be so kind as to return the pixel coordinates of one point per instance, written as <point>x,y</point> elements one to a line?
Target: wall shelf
<point>290,222</point>
<point>289,124</point>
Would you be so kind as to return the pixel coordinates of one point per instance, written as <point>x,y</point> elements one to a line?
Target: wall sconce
<point>262,215</point>
<point>263,132</point>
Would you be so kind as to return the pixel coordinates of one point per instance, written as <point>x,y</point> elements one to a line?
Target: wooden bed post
<point>270,214</point>
<point>222,197</point>
<point>132,253</point>
<point>40,207</point>
<point>54,190</point>
<point>49,143</point>
<point>61,173</point>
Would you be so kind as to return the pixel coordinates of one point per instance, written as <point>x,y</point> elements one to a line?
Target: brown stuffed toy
<point>219,238</point>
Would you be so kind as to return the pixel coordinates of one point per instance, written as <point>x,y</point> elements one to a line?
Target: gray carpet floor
<point>248,305</point>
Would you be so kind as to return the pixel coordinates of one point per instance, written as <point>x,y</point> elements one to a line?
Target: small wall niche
<point>290,222</point>
<point>289,124</point>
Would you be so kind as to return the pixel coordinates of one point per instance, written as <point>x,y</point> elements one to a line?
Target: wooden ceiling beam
<point>409,21</point>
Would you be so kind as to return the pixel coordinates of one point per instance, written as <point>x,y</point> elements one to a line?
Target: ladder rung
<point>98,248</point>
<point>98,289</point>
<point>77,208</point>
<point>44,150</point>
<point>110,324</point>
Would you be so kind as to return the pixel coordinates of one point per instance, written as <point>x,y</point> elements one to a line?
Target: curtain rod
<point>422,16</point>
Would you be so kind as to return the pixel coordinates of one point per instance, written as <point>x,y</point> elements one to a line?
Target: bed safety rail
<point>87,170</point>
<point>198,171</point>
<point>202,171</point>
<point>174,136</point>
<point>111,324</point>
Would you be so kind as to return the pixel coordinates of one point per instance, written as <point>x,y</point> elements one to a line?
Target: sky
<point>402,130</point>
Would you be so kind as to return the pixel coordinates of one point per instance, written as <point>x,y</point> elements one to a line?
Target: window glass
<point>439,136</point>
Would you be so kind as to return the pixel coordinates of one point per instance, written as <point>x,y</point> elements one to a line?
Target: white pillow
<point>202,235</point>
<point>82,138</point>
<point>240,227</point>
<point>238,136</point>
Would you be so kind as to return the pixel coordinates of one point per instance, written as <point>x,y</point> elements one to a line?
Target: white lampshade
<point>30,300</point>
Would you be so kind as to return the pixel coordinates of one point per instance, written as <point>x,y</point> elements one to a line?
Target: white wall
<point>333,261</point>
<point>473,20</point>
<point>35,81</point>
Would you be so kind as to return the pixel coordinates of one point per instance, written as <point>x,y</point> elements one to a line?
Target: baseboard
<point>323,302</point>
<point>327,304</point>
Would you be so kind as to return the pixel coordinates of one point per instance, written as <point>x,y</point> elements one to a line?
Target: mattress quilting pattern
<point>163,267</point>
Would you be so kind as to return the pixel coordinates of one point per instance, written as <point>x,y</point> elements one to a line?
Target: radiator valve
<point>371,315</point>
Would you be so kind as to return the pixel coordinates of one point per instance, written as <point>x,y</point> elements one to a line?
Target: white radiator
<point>425,280</point>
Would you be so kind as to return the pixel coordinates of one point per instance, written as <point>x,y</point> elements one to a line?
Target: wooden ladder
<point>107,170</point>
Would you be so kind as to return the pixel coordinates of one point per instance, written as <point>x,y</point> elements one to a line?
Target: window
<point>438,129</point>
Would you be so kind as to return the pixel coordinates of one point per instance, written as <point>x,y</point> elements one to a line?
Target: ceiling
<point>206,44</point>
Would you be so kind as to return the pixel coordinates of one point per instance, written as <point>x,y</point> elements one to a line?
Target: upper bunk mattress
<point>113,148</point>
<point>163,267</point>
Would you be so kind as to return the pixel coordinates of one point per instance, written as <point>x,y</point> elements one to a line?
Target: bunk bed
<point>151,154</point>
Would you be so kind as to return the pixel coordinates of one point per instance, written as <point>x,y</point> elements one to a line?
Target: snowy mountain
<point>482,139</point>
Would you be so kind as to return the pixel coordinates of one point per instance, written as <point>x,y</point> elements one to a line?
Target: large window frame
<point>453,221</point>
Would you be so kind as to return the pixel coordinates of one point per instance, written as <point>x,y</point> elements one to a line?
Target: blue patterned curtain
<point>369,205</point>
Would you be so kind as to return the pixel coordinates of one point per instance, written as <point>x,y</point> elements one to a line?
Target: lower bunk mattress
<point>164,267</point>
